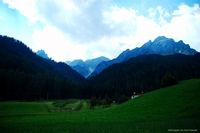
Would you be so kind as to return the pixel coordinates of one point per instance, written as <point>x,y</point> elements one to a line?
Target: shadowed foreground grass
<point>173,108</point>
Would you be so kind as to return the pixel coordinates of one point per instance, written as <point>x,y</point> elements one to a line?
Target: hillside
<point>27,76</point>
<point>16,55</point>
<point>176,101</point>
<point>144,73</point>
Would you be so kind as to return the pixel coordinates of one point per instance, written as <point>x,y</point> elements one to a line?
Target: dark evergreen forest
<point>144,73</point>
<point>26,76</point>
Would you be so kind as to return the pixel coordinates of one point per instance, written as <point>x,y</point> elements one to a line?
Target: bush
<point>106,102</point>
<point>168,80</point>
<point>122,99</point>
<point>93,102</point>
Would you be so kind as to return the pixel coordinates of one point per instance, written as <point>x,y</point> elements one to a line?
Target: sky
<point>86,29</point>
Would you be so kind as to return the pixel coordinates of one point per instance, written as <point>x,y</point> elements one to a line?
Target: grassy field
<point>168,109</point>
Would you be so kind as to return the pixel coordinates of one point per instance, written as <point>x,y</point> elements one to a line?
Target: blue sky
<point>85,29</point>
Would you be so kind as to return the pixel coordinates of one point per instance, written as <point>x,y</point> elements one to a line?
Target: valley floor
<point>171,109</point>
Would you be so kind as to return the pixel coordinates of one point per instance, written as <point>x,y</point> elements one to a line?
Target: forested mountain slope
<point>144,73</point>
<point>16,55</point>
<point>24,75</point>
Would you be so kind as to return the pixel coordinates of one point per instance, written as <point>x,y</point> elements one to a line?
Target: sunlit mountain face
<point>161,45</point>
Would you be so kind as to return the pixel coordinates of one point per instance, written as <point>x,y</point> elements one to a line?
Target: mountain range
<point>26,76</point>
<point>161,45</point>
<point>85,68</point>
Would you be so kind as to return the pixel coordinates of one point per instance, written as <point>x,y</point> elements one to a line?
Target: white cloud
<point>159,15</point>
<point>25,7</point>
<point>56,44</point>
<point>185,26</point>
<point>184,9</point>
<point>83,21</point>
<point>119,15</point>
<point>152,12</point>
<point>71,28</point>
<point>182,24</point>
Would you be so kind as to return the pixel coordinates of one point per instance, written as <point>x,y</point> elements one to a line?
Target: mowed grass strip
<point>85,106</point>
<point>173,107</point>
<point>73,104</point>
<point>21,108</point>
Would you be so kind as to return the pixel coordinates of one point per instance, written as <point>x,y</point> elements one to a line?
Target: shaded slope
<point>144,73</point>
<point>16,55</point>
<point>27,76</point>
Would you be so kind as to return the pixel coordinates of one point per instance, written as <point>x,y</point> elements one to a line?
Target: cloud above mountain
<point>90,28</point>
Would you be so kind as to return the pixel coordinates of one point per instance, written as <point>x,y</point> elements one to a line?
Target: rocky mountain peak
<point>161,45</point>
<point>42,54</point>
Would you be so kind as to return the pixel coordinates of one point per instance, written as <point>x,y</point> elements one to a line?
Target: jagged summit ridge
<point>161,45</point>
<point>164,46</point>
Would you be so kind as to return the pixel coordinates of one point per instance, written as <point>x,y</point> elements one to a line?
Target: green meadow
<point>170,109</point>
